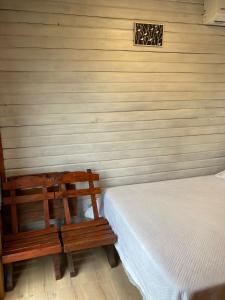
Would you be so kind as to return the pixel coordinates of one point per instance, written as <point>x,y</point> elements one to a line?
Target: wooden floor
<point>96,280</point>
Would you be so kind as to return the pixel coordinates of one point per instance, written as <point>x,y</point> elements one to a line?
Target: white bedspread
<point>171,236</point>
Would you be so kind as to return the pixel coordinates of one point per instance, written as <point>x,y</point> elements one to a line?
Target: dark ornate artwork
<point>148,34</point>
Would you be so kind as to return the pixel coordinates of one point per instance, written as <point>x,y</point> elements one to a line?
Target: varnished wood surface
<point>2,178</point>
<point>2,290</point>
<point>2,166</point>
<point>96,280</point>
<point>85,235</point>
<point>30,208</point>
<point>25,246</point>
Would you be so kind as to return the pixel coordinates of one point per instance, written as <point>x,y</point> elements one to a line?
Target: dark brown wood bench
<point>20,245</point>
<point>86,234</point>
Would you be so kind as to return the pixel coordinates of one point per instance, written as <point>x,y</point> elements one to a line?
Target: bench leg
<point>72,269</point>
<point>112,255</point>
<point>58,266</point>
<point>8,268</point>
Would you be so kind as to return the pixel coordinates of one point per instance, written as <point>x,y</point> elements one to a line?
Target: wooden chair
<point>25,245</point>
<point>85,234</point>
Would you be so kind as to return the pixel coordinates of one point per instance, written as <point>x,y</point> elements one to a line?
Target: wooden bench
<point>25,245</point>
<point>87,234</point>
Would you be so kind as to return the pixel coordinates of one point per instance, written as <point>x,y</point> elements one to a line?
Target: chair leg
<point>8,269</point>
<point>58,266</point>
<point>112,255</point>
<point>72,269</point>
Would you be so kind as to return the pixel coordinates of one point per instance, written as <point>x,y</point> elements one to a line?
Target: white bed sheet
<point>171,235</point>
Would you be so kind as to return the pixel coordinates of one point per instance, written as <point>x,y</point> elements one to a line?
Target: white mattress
<point>171,236</point>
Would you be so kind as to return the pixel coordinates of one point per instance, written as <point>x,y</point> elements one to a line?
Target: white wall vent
<point>214,12</point>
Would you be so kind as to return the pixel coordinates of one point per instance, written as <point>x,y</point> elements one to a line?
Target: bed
<point>171,236</point>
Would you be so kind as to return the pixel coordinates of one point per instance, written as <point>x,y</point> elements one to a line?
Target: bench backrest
<point>33,213</point>
<point>24,190</point>
<point>68,190</point>
<point>47,190</point>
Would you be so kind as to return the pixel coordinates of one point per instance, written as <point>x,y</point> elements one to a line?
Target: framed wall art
<point>148,34</point>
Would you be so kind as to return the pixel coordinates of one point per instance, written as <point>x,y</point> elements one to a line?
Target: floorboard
<point>96,280</point>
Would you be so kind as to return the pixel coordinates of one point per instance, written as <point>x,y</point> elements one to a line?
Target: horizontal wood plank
<point>12,111</point>
<point>29,131</point>
<point>108,160</point>
<point>110,117</point>
<point>99,11</point>
<point>102,44</point>
<point>108,66</point>
<point>50,195</point>
<point>101,55</point>
<point>41,30</point>
<point>86,97</point>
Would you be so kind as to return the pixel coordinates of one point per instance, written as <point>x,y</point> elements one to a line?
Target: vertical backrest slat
<point>93,198</point>
<point>14,217</point>
<point>66,204</point>
<point>46,207</point>
<point>73,203</point>
<point>2,167</point>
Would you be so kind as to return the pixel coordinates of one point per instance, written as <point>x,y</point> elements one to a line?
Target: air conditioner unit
<point>214,12</point>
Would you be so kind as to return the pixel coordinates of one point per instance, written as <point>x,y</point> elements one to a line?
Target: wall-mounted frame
<point>148,34</point>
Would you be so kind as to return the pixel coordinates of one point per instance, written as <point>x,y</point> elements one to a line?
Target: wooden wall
<point>76,93</point>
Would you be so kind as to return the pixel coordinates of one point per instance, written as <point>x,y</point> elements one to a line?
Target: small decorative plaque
<point>148,34</point>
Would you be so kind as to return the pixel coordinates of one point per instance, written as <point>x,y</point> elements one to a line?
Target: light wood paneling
<point>97,55</point>
<point>44,42</point>
<point>95,9</point>
<point>107,77</point>
<point>61,19</point>
<point>39,30</point>
<point>76,93</point>
<point>104,66</point>
<point>63,98</point>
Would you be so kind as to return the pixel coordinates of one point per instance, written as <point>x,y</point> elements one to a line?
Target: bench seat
<point>27,246</point>
<point>87,235</point>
